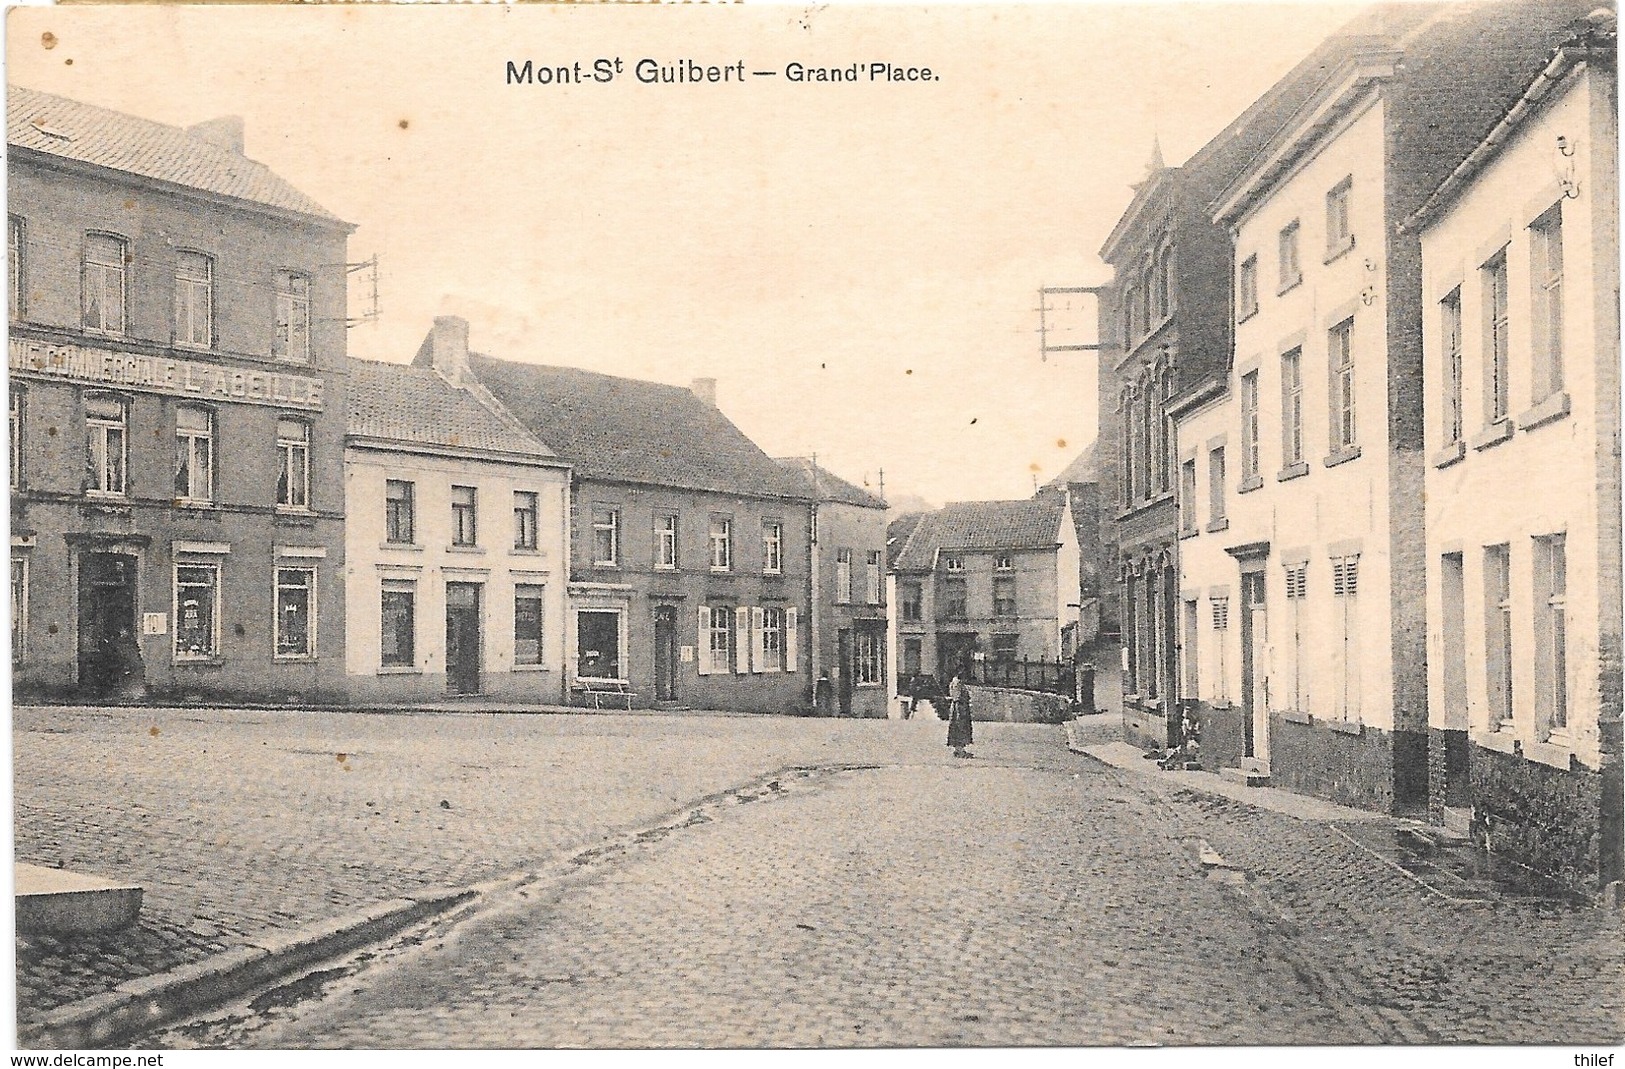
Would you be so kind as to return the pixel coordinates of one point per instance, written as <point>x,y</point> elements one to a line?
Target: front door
<point>109,651</point>
<point>1255,682</point>
<point>843,685</point>
<point>665,653</point>
<point>463,638</point>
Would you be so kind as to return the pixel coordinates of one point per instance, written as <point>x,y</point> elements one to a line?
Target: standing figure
<point>959,723</point>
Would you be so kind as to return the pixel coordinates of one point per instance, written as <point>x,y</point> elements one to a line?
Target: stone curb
<point>149,1001</point>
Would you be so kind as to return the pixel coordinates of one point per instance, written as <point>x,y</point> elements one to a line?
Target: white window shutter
<point>758,641</point>
<point>791,646</point>
<point>702,651</point>
<point>742,640</point>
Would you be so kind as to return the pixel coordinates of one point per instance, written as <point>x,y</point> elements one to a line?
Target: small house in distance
<point>1079,485</point>
<point>847,626</point>
<point>984,580</point>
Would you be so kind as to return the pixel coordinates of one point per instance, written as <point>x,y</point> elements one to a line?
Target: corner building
<point>177,413</point>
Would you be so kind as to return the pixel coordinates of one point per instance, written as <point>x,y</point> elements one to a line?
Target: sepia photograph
<point>831,527</point>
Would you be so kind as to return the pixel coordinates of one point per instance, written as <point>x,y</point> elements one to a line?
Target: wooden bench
<point>597,689</point>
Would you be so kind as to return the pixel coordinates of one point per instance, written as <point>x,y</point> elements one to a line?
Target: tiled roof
<point>415,406</point>
<point>1082,469</point>
<point>981,525</point>
<point>57,126</point>
<point>897,533</point>
<point>634,431</point>
<point>819,483</point>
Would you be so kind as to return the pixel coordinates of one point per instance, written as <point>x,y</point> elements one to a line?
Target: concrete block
<point>72,903</point>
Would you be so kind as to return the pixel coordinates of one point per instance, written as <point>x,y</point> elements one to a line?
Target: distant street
<point>877,893</point>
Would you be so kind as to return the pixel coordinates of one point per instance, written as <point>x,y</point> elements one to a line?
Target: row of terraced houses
<point>1359,394</point>
<point>211,499</point>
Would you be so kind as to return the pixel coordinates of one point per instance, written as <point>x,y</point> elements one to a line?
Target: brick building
<point>177,312</point>
<point>457,526</point>
<point>1520,327</point>
<point>847,621</point>
<point>689,570</point>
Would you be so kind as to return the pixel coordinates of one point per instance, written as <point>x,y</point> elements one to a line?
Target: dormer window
<point>953,564</point>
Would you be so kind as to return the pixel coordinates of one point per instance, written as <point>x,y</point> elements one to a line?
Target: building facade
<point>177,312</point>
<point>1078,485</point>
<point>1325,461</point>
<point>847,621</point>
<point>689,579</point>
<point>1520,284</point>
<point>984,580</point>
<point>457,560</point>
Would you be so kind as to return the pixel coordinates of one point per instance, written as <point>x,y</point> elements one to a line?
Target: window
<point>1339,223</point>
<point>18,406</point>
<point>1004,647</point>
<point>1551,634</point>
<point>197,612</point>
<point>1249,428</point>
<point>1450,346</point>
<point>1291,267</point>
<point>1187,496</point>
<point>1498,634</point>
<point>1004,562</point>
<point>953,599</point>
<point>913,596</point>
<point>1292,407</point>
<point>1297,589</point>
<point>1453,639</point>
<point>465,527</point>
<point>1346,654</point>
<point>103,283</point>
<point>1189,650</point>
<point>1004,596</point>
<point>869,657</point>
<point>912,656</point>
<point>716,629</point>
<point>295,612</point>
<point>772,547</point>
<point>19,608</point>
<point>843,576</point>
<point>1131,316</point>
<point>666,540</point>
<point>953,563</point>
<point>17,275</point>
<point>291,340</point>
<point>194,454</point>
<point>293,474</point>
<point>871,577</point>
<point>1546,273</point>
<point>527,624</point>
<point>1215,486</point>
<point>1494,277</point>
<point>399,512</point>
<point>722,548</point>
<point>108,444</point>
<point>598,644</point>
<point>1165,282</point>
<point>194,300</point>
<point>772,648</point>
<point>398,617</point>
<point>1220,608</point>
<point>1247,288</point>
<point>525,508</point>
<point>1340,353</point>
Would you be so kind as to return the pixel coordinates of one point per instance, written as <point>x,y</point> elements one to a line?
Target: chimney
<point>448,348</point>
<point>225,132</point>
<point>705,390</point>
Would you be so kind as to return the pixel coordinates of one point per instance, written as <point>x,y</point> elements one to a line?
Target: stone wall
<point>1547,819</point>
<point>1017,706</point>
<point>1350,764</point>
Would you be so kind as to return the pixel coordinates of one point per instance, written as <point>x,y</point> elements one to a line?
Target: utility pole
<point>1045,308</point>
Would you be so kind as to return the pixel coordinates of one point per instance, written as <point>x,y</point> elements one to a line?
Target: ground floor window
<point>911,657</point>
<point>398,635</point>
<point>716,629</point>
<point>527,624</point>
<point>1003,647</point>
<point>19,608</point>
<point>197,612</point>
<point>772,639</point>
<point>295,612</point>
<point>869,657</point>
<point>598,644</point>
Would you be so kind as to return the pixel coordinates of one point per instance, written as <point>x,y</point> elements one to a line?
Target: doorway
<point>843,664</point>
<point>1255,683</point>
<point>109,651</point>
<point>463,638</point>
<point>665,653</point>
<point>954,652</point>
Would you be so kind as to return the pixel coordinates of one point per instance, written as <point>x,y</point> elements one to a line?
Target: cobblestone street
<point>1031,896</point>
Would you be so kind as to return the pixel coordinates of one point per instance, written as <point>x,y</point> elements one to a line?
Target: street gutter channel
<point>235,1001</point>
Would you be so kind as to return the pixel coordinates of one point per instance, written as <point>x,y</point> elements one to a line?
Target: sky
<point>857,264</point>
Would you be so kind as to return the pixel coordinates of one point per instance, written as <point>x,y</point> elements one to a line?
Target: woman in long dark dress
<point>959,723</point>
